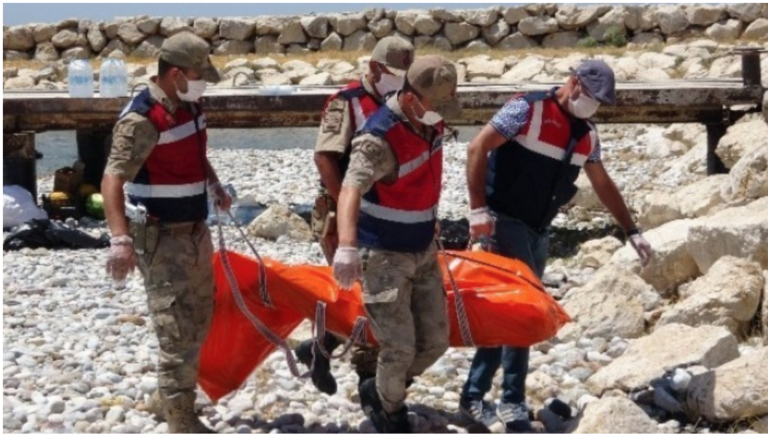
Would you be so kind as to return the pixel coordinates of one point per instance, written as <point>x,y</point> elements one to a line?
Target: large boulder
<point>704,15</point>
<point>405,22</point>
<point>525,69</point>
<point>240,29</point>
<point>672,19</point>
<point>640,18</point>
<point>205,27</point>
<point>381,28</point>
<point>480,17</point>
<point>268,44</point>
<point>732,392</point>
<point>45,52</point>
<point>609,305</point>
<point>596,253</point>
<point>18,38</point>
<point>724,32</point>
<point>149,48</point>
<point>148,25</point>
<point>43,32</point>
<point>460,33</point>
<point>96,38</point>
<point>484,66</point>
<point>316,26</point>
<point>64,39</point>
<point>539,25</point>
<point>669,347</point>
<point>700,198</point>
<point>348,24</point>
<point>749,177</point>
<point>561,40</point>
<point>445,16</point>
<point>573,17</point>
<point>170,26</point>
<point>608,24</point>
<point>332,43</point>
<point>270,25</point>
<point>358,41</point>
<point>496,32</point>
<point>726,296</point>
<point>234,48</point>
<point>514,14</point>
<point>279,220</point>
<point>740,139</point>
<point>614,415</point>
<point>658,208</point>
<point>292,33</point>
<point>757,30</point>
<point>672,263</point>
<point>516,41</point>
<point>130,34</point>
<point>741,232</point>
<point>746,12</point>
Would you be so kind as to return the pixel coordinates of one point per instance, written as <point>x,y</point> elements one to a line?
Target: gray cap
<point>599,80</point>
<point>395,53</point>
<point>188,50</point>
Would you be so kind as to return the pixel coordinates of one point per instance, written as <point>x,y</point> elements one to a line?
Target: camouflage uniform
<point>402,292</point>
<point>178,276</point>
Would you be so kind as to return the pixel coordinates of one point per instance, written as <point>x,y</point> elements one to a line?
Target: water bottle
<point>80,78</point>
<point>113,79</point>
<point>122,76</point>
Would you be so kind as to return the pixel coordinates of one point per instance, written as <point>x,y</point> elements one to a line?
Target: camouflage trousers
<point>178,278</point>
<point>406,307</point>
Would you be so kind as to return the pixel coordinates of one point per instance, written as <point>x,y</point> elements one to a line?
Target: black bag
<point>44,233</point>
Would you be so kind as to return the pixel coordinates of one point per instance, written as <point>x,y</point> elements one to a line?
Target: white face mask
<point>389,83</point>
<point>430,118</point>
<point>584,107</point>
<point>195,90</point>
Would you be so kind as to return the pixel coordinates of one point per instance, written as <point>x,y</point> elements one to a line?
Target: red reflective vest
<point>171,183</point>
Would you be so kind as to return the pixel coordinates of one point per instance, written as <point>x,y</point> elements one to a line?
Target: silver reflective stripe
<point>359,115</point>
<point>181,132</point>
<point>394,215</point>
<point>414,164</point>
<point>165,191</point>
<point>532,142</point>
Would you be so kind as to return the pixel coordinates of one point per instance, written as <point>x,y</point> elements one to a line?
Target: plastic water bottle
<point>122,79</point>
<point>80,78</point>
<point>113,78</point>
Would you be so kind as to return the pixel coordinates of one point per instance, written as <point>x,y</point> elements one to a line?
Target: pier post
<point>20,161</point>
<point>93,149</point>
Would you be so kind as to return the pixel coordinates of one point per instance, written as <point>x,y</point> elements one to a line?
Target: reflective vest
<point>361,106</point>
<point>401,216</point>
<point>171,183</point>
<point>531,176</point>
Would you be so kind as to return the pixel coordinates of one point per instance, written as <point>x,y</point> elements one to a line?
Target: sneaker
<point>382,421</point>
<point>321,373</point>
<point>481,412</point>
<point>515,416</point>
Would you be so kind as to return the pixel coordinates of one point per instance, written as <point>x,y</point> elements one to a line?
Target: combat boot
<point>383,422</point>
<point>180,414</point>
<point>321,373</point>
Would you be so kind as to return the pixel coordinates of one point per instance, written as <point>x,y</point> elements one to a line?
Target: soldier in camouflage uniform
<point>159,150</point>
<point>387,219</point>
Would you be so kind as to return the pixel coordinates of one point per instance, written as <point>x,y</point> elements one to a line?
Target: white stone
<point>610,23</point>
<point>315,26</point>
<point>725,32</point>
<point>757,30</point>
<point>740,139</point>
<point>666,348</point>
<point>524,70</point>
<point>704,15</point>
<point>572,17</point>
<point>277,221</point>
<point>672,19</point>
<point>614,415</point>
<point>748,179</point>
<point>514,14</point>
<point>540,25</point>
<point>517,41</point>
<point>348,24</point>
<point>205,27</point>
<point>460,33</point>
<point>596,253</point>
<point>496,32</point>
<point>747,12</point>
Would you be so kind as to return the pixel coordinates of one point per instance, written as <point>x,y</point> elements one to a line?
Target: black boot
<point>321,373</point>
<point>384,422</point>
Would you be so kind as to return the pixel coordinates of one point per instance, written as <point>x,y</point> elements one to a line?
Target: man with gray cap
<point>387,218</point>
<point>345,112</point>
<point>521,169</point>
<point>159,153</point>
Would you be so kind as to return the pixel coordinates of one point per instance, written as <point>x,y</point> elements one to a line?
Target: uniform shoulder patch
<point>333,116</point>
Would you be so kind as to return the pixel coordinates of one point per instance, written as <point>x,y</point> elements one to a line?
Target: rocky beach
<point>679,346</point>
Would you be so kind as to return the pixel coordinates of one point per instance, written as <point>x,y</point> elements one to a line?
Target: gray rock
<point>114,46</point>
<point>67,23</point>
<point>293,33</point>
<point>426,25</point>
<point>96,38</point>
<point>381,28</point>
<point>442,43</point>
<point>516,41</point>
<point>268,44</point>
<point>42,33</point>
<point>460,33</point>
<point>478,46</point>
<point>405,22</point>
<point>348,24</point>
<point>480,17</point>
<point>13,55</point>
<point>704,15</point>
<point>640,18</point>
<point>315,27</point>
<point>614,415</point>
<point>130,34</point>
<point>374,14</point>
<point>609,23</point>
<point>539,25</point>
<point>270,25</point>
<point>514,14</point>
<point>561,40</point>
<point>672,20</point>
<point>240,29</point>
<point>116,414</point>
<point>76,53</point>
<point>172,25</point>
<point>746,12</point>
<point>496,32</point>
<point>422,41</point>
<point>148,25</point>
<point>205,27</point>
<point>444,15</point>
<point>757,30</point>
<point>235,47</point>
<point>332,44</point>
<point>360,40</point>
<point>64,39</point>
<point>149,48</point>
<point>571,17</point>
<point>725,32</point>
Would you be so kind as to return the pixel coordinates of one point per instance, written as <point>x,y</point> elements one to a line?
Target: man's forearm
<point>210,173</point>
<point>114,204</point>
<point>477,162</point>
<point>346,215</point>
<point>611,198</point>
<point>330,173</point>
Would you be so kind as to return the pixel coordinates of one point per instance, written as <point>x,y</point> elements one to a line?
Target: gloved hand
<point>642,247</point>
<point>481,223</point>
<point>347,266</point>
<point>219,196</point>
<point>122,257</point>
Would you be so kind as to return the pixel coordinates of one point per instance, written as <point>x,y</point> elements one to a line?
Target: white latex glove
<point>642,247</point>
<point>347,266</point>
<point>481,223</point>
<point>219,196</point>
<point>122,258</point>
